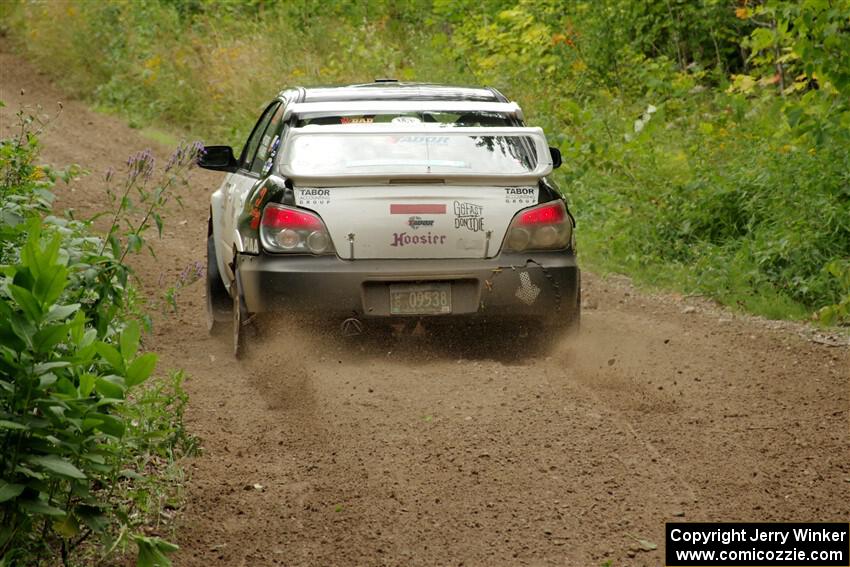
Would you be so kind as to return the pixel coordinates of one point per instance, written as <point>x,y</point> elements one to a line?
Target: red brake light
<point>295,231</point>
<point>549,214</point>
<point>544,227</point>
<point>274,217</point>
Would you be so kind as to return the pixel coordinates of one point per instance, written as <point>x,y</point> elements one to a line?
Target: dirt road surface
<point>441,451</point>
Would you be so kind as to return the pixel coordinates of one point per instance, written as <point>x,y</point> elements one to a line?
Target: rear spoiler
<point>302,109</point>
<point>313,178</point>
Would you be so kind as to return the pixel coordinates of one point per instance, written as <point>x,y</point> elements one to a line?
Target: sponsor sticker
<point>469,216</point>
<point>262,151</point>
<point>314,197</point>
<point>416,222</point>
<point>527,292</point>
<point>431,140</point>
<point>255,218</point>
<point>521,195</point>
<point>403,239</point>
<point>255,208</point>
<point>250,245</point>
<point>417,209</point>
<point>260,196</point>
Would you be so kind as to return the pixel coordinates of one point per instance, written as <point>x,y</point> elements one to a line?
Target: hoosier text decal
<point>404,239</point>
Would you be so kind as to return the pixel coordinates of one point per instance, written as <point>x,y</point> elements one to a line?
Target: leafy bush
<point>716,207</point>
<point>80,433</point>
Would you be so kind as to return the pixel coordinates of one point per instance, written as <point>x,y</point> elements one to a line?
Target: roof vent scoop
<point>385,80</point>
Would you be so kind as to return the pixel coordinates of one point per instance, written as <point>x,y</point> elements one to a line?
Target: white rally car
<point>391,202</point>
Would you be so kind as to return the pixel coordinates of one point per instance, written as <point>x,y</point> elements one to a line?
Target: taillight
<point>285,229</point>
<point>544,227</point>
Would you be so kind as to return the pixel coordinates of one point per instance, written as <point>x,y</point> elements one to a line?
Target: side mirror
<point>218,158</point>
<point>556,157</point>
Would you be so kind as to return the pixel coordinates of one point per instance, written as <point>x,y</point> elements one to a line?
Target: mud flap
<point>218,302</point>
<point>241,318</point>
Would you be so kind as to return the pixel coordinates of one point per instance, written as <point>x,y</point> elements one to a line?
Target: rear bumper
<point>539,285</point>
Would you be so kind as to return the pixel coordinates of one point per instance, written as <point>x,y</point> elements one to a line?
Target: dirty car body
<point>385,202</point>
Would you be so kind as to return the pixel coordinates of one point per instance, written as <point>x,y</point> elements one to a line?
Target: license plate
<point>420,299</point>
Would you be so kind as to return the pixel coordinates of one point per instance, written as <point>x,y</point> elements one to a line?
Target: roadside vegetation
<point>706,144</point>
<point>90,437</point>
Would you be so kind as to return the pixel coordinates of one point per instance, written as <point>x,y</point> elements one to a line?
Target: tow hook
<point>351,327</point>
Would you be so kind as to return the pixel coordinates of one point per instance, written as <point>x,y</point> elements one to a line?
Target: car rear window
<point>414,153</point>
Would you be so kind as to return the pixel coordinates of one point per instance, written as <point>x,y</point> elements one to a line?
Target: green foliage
<point>840,311</point>
<point>79,426</point>
<point>734,186</point>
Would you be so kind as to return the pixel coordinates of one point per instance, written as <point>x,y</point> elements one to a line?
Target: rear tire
<point>218,302</point>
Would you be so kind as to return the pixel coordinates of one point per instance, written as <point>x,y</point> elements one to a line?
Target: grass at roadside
<point>159,136</point>
<point>690,163</point>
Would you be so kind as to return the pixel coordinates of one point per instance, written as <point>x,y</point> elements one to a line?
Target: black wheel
<point>218,300</point>
<point>240,318</point>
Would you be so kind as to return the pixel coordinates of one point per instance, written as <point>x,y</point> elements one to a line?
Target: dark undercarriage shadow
<point>507,342</point>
